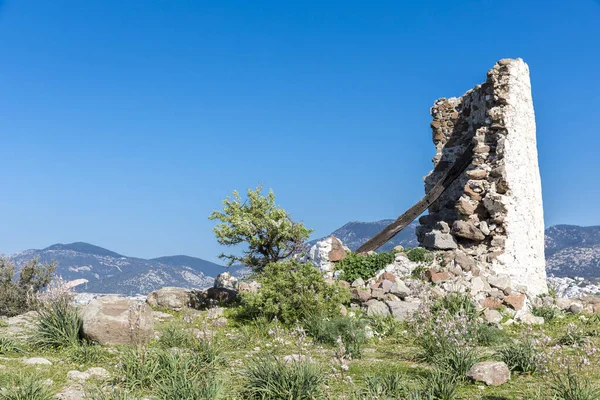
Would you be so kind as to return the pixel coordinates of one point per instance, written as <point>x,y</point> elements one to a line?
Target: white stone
<point>319,254</point>
<point>36,361</point>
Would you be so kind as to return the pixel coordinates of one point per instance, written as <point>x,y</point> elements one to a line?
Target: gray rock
<point>71,393</point>
<point>36,361</point>
<point>467,230</point>
<point>226,281</point>
<point>377,308</point>
<point>492,373</point>
<point>563,303</point>
<point>439,241</point>
<point>117,320</point>
<point>500,281</point>
<point>378,293</point>
<point>492,316</point>
<point>530,319</point>
<point>399,289</point>
<point>403,310</point>
<point>576,308</point>
<point>358,283</point>
<point>170,298</point>
<point>78,376</point>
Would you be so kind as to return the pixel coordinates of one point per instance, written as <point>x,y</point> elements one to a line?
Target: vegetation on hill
<point>17,294</point>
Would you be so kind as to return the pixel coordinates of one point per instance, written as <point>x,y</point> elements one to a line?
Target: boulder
<point>530,319</point>
<point>492,316</point>
<point>377,308</point>
<point>358,283</point>
<point>403,310</point>
<point>360,295</point>
<point>36,361</point>
<point>170,298</point>
<point>319,254</point>
<point>400,289</point>
<point>117,320</point>
<point>226,281</point>
<point>337,252</point>
<point>516,300</point>
<point>576,308</point>
<point>500,281</point>
<point>492,373</point>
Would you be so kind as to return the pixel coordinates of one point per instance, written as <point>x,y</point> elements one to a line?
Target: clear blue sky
<point>125,123</point>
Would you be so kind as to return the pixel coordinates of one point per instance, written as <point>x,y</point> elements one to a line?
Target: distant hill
<point>110,272</point>
<point>354,234</point>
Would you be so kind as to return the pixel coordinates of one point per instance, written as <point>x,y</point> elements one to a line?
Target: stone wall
<point>493,211</point>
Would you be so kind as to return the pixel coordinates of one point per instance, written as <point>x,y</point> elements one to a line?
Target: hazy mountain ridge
<point>570,251</point>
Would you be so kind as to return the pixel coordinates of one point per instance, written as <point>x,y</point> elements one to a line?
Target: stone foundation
<point>493,211</point>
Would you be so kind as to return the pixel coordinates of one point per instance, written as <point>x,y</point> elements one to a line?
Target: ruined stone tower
<point>493,211</point>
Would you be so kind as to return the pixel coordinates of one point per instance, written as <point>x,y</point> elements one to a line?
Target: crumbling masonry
<point>493,211</point>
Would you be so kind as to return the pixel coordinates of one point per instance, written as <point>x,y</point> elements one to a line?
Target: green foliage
<point>8,345</point>
<point>418,254</point>
<point>58,324</point>
<point>390,385</point>
<point>440,385</point>
<point>26,387</point>
<point>573,336</point>
<point>186,376</point>
<point>389,327</point>
<point>267,229</point>
<point>175,336</point>
<point>457,360</point>
<point>15,295</point>
<point>328,330</point>
<point>111,394</point>
<point>454,303</point>
<point>87,353</point>
<point>3,323</point>
<point>355,266</point>
<point>523,356</point>
<point>573,387</point>
<point>292,291</point>
<point>491,335</point>
<point>177,370</point>
<point>548,312</point>
<point>269,378</point>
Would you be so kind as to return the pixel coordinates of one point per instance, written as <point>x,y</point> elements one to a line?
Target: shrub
<point>389,385</point>
<point>548,312</point>
<point>417,254</point>
<point>440,385</point>
<point>26,387</point>
<point>15,294</point>
<point>176,336</point>
<point>490,335</point>
<point>455,303</point>
<point>87,353</point>
<point>457,359</point>
<point>58,323</point>
<point>521,357</point>
<point>186,376</point>
<point>355,266</point>
<point>573,336</point>
<point>269,378</point>
<point>573,387</point>
<point>267,229</point>
<point>8,345</point>
<point>328,330</point>
<point>139,368</point>
<point>291,291</point>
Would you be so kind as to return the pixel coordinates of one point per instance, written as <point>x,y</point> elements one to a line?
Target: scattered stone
<point>358,283</point>
<point>530,319</point>
<point>492,316</point>
<point>400,289</point>
<point>36,361</point>
<point>386,285</point>
<point>492,373</point>
<point>500,281</point>
<point>78,376</point>
<point>491,303</point>
<point>215,312</point>
<point>440,241</point>
<point>161,316</point>
<point>219,322</point>
<point>71,393</point>
<point>361,295</point>
<point>337,252</point>
<point>226,281</point>
<point>576,308</point>
<point>516,301</point>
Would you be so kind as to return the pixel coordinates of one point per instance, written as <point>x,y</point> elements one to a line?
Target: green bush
<point>355,266</point>
<point>521,357</point>
<point>292,291</point>
<point>548,312</point>
<point>176,336</point>
<point>491,335</point>
<point>457,360</point>
<point>573,387</point>
<point>269,378</point>
<point>8,345</point>
<point>328,330</point>
<point>440,385</point>
<point>15,295</point>
<point>26,387</point>
<point>58,323</point>
<point>418,254</point>
<point>87,353</point>
<point>454,303</point>
<point>388,385</point>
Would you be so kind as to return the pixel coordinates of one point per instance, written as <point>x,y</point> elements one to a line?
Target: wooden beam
<point>409,216</point>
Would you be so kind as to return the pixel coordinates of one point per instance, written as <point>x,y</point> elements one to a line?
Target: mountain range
<point>570,251</point>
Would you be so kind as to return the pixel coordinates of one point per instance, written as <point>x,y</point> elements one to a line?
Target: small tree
<point>267,229</point>
<point>16,294</point>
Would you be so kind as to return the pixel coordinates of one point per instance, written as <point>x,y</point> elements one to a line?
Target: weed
<point>389,385</point>
<point>26,387</point>
<point>8,345</point>
<point>573,387</point>
<point>87,353</point>
<point>327,330</point>
<point>548,312</point>
<point>521,357</point>
<point>269,378</point>
<point>490,335</point>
